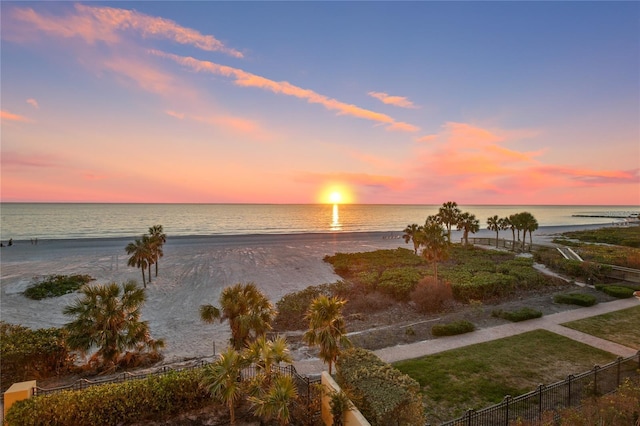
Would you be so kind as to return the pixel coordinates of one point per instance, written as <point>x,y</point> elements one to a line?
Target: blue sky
<point>385,102</point>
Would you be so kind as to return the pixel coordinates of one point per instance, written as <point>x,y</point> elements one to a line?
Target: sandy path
<point>192,272</point>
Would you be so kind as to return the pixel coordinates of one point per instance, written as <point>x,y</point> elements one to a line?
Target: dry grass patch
<point>621,327</point>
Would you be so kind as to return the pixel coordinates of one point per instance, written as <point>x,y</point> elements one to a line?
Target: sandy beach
<point>192,272</point>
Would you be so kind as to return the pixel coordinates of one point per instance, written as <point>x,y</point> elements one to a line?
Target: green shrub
<point>399,282</point>
<point>153,398</point>
<point>518,315</point>
<point>453,328</point>
<point>616,291</point>
<point>32,354</point>
<point>293,307</point>
<point>382,393</point>
<point>575,299</point>
<point>349,265</point>
<point>56,285</point>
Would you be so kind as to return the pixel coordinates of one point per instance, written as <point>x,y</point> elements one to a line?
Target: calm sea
<point>22,221</point>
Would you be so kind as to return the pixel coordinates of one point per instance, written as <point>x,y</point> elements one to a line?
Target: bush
<point>575,299</point>
<point>616,291</point>
<point>431,295</point>
<point>452,329</point>
<point>32,354</point>
<point>399,282</point>
<point>56,285</point>
<point>153,398</point>
<point>517,316</point>
<point>293,307</point>
<point>382,393</point>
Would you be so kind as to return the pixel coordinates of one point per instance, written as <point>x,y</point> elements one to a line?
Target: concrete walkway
<point>548,322</point>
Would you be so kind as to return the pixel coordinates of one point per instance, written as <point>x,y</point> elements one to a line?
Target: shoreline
<point>193,271</point>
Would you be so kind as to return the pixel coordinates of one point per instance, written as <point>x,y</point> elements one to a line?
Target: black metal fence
<point>567,393</point>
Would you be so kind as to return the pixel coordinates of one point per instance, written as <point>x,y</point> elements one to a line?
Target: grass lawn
<point>481,375</point>
<point>621,327</point>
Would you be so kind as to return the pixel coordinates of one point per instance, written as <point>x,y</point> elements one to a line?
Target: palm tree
<point>264,353</point>
<point>434,243</point>
<point>107,317</point>
<point>494,224</point>
<point>275,402</point>
<point>467,222</point>
<point>510,223</point>
<point>528,223</point>
<point>222,379</point>
<point>327,327</point>
<point>448,216</point>
<point>248,311</point>
<point>139,252</point>
<point>150,251</point>
<point>412,233</point>
<point>158,238</point>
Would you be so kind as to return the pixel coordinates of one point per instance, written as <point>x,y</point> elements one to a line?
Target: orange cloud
<point>6,115</point>
<point>105,24</point>
<point>399,101</point>
<point>246,79</point>
<point>353,179</point>
<point>236,125</point>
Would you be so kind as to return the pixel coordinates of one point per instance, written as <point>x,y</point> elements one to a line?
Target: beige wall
<point>18,392</point>
<point>351,418</point>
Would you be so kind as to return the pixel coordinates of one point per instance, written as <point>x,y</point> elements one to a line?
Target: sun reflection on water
<point>335,222</point>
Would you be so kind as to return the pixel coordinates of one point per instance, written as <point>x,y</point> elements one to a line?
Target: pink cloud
<point>6,115</point>
<point>33,103</point>
<point>237,125</point>
<point>106,24</point>
<point>246,79</point>
<point>174,114</point>
<point>353,179</point>
<point>15,159</point>
<point>399,101</point>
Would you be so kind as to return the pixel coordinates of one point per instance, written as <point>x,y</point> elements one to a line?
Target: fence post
<point>595,379</point>
<point>618,362</point>
<point>469,412</point>
<point>568,380</point>
<point>540,387</point>
<point>506,402</point>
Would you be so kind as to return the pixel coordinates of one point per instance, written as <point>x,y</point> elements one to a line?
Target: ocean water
<point>23,221</point>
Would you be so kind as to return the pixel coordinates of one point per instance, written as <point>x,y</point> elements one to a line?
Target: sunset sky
<point>289,102</point>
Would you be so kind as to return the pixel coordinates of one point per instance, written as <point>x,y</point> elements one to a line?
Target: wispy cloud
<point>236,125</point>
<point>33,103</point>
<point>107,24</point>
<point>6,115</point>
<point>363,180</point>
<point>11,158</point>
<point>399,101</point>
<point>247,79</point>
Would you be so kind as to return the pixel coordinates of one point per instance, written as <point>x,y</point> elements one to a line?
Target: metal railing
<point>567,393</point>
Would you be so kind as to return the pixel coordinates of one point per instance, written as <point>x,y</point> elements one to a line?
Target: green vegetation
<point>147,251</point>
<point>453,328</point>
<point>56,285</point>
<point>293,306</point>
<point>483,374</point>
<point>573,268</point>
<point>620,326</point>
<point>32,354</point>
<point>247,309</point>
<point>618,236</point>
<point>575,299</point>
<point>153,398</point>
<point>107,318</point>
<point>621,292</point>
<point>383,394</point>
<point>522,314</point>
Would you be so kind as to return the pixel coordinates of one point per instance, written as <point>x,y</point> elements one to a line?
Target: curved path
<point>549,322</point>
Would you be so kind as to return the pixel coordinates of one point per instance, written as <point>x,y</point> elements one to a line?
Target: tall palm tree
<point>248,311</point>
<point>510,223</point>
<point>327,327</point>
<point>494,224</point>
<point>467,222</point>
<point>276,401</point>
<point>158,239</point>
<point>107,318</point>
<point>412,233</point>
<point>150,251</point>
<point>434,243</point>
<point>529,224</point>
<point>222,379</point>
<point>139,252</point>
<point>448,216</point>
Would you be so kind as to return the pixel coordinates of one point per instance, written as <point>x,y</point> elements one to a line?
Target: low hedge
<point>117,403</point>
<point>518,315</point>
<point>453,328</point>
<point>56,285</point>
<point>616,291</point>
<point>383,394</point>
<point>575,299</point>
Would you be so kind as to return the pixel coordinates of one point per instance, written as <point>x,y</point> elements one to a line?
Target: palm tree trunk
<point>144,282</point>
<point>149,272</point>
<point>156,269</point>
<point>496,239</point>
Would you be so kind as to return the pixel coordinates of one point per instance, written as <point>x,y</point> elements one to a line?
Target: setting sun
<point>335,194</point>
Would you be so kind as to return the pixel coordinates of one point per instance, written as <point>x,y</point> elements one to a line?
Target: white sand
<point>192,272</point>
